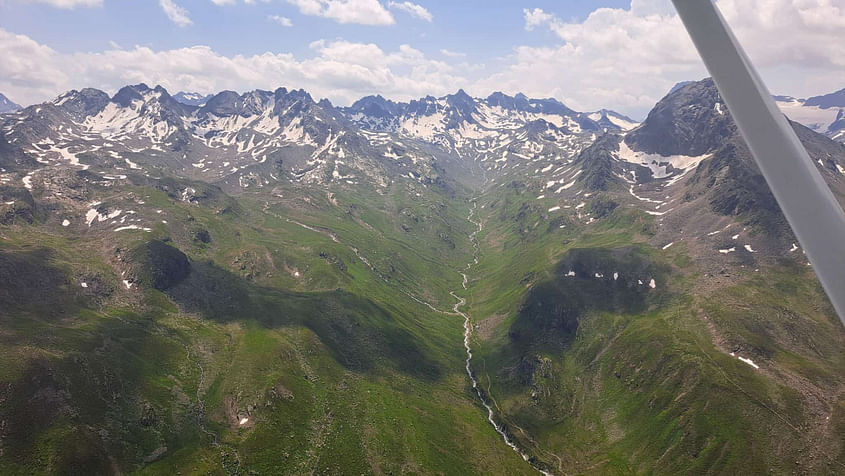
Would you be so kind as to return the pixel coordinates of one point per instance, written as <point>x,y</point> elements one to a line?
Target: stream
<point>468,333</point>
<point>456,310</point>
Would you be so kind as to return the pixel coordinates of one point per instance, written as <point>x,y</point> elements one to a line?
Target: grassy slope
<point>649,391</point>
<point>337,368</point>
<point>329,379</point>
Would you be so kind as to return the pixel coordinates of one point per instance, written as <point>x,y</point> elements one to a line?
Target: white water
<point>468,333</point>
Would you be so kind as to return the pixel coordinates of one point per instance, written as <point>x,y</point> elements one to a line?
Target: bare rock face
<point>692,121</point>
<point>81,104</point>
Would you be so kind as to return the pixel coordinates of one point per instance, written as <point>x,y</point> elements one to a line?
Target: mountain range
<point>824,114</point>
<point>266,283</point>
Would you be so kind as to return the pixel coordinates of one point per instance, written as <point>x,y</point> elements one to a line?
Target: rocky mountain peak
<point>6,105</point>
<point>127,94</point>
<point>691,120</point>
<point>377,107</point>
<point>192,99</point>
<point>221,104</point>
<point>84,103</point>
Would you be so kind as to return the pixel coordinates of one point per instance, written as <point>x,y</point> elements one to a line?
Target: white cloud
<point>284,21</point>
<point>364,12</point>
<point>412,9</point>
<point>341,70</point>
<point>175,13</point>
<point>68,4</point>
<point>537,17</point>
<point>628,58</point>
<point>452,54</point>
<point>29,71</point>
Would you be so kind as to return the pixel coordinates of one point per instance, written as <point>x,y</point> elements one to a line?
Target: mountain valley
<point>262,283</point>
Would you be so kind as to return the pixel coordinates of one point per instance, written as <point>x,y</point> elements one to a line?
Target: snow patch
<point>132,227</point>
<point>813,117</point>
<point>659,164</point>
<point>749,362</point>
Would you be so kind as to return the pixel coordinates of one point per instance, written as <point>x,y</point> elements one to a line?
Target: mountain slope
<point>7,106</point>
<point>656,316</point>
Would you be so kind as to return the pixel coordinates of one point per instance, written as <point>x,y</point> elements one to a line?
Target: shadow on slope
<point>31,284</point>
<point>82,391</point>
<point>98,392</point>
<point>359,333</point>
<point>588,279</point>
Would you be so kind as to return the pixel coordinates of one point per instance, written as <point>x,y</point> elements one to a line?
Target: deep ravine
<point>468,333</point>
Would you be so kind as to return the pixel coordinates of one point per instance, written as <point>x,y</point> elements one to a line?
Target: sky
<point>590,54</point>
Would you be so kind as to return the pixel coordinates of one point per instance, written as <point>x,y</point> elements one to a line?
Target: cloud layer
<point>363,12</point>
<point>340,70</point>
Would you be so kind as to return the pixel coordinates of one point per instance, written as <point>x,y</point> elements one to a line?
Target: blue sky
<point>619,54</point>
<point>482,28</point>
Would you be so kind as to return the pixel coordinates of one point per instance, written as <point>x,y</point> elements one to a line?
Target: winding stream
<point>456,310</point>
<point>468,333</point>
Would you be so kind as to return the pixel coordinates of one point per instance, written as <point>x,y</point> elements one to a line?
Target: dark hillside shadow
<point>31,284</point>
<point>358,332</point>
<point>552,310</point>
